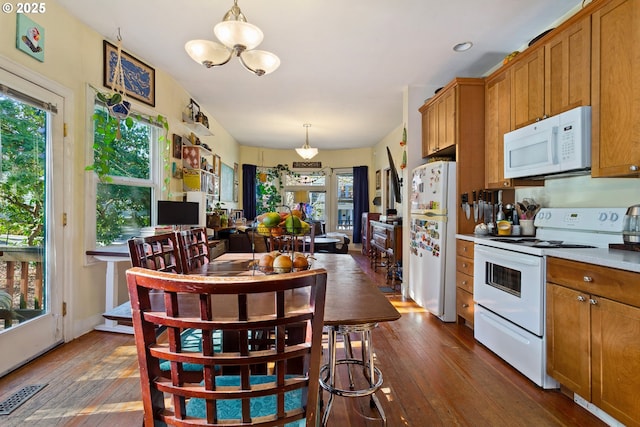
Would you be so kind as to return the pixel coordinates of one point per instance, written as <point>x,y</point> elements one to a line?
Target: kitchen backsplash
<point>584,191</point>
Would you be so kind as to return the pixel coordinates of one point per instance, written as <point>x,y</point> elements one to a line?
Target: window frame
<point>91,183</point>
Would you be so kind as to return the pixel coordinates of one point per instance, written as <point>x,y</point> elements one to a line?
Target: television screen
<point>178,213</point>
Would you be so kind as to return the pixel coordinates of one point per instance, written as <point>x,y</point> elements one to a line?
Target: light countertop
<point>613,258</point>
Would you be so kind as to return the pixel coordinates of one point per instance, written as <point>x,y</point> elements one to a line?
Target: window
<point>307,191</point>
<point>124,200</point>
<point>344,200</point>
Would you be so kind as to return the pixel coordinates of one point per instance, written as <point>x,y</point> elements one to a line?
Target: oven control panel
<point>609,220</point>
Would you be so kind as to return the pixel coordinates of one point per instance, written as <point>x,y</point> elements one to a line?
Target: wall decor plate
<point>29,37</point>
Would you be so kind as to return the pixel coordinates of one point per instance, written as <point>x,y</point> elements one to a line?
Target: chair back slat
<point>271,327</point>
<point>159,252</point>
<point>194,248</point>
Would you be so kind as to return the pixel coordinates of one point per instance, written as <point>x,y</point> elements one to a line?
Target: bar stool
<point>371,373</point>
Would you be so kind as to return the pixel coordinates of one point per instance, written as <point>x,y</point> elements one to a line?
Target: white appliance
<point>510,276</point>
<point>558,144</point>
<point>432,249</point>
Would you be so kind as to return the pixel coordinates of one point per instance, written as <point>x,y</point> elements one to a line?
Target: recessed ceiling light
<point>461,47</point>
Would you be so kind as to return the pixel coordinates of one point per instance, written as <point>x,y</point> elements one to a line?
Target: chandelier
<point>238,38</point>
<point>306,152</point>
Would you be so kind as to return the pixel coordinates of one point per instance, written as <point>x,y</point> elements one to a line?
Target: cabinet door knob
<point>505,184</point>
<point>581,298</point>
<point>464,265</point>
<point>464,282</point>
<point>465,305</point>
<point>587,279</point>
<point>593,301</point>
<point>633,168</point>
<point>464,249</point>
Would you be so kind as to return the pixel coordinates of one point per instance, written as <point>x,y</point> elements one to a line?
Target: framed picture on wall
<point>217,164</point>
<point>226,183</point>
<point>177,146</point>
<point>140,78</point>
<point>378,179</point>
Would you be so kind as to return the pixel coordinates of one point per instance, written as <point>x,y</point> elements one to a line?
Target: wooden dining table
<point>353,304</point>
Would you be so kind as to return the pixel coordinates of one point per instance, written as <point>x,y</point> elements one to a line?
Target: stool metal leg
<point>332,373</point>
<point>371,373</point>
<point>348,349</point>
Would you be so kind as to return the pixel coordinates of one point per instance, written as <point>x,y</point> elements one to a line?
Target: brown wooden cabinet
<point>548,78</point>
<point>464,281</point>
<point>527,88</point>
<point>387,238</point>
<point>438,122</point>
<point>454,119</point>
<point>615,89</point>
<point>367,217</point>
<point>552,76</point>
<point>567,80</point>
<point>498,122</point>
<point>593,335</point>
<point>386,249</point>
<point>441,116</point>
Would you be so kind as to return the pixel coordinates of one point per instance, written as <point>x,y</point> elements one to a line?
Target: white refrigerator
<point>432,246</point>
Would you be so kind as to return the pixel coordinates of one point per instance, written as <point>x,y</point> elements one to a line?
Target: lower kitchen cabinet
<point>464,282</point>
<point>593,335</point>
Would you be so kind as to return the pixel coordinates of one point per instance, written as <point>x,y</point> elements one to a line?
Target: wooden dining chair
<point>194,248</point>
<point>159,252</point>
<point>236,305</point>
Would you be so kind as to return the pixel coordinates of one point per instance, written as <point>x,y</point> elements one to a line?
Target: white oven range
<point>510,280</point>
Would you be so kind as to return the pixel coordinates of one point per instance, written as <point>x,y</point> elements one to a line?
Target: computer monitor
<point>178,213</point>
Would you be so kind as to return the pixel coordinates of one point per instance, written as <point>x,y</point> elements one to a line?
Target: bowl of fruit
<point>276,262</point>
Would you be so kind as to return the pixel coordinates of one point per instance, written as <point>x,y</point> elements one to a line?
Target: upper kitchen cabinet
<point>567,80</point>
<point>438,122</point>
<point>497,123</point>
<point>554,76</point>
<point>451,117</point>
<point>615,90</point>
<point>527,89</point>
<point>453,127</point>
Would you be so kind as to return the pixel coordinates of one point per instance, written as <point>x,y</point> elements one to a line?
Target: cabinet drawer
<point>464,281</point>
<point>464,305</point>
<point>381,240</point>
<point>464,248</point>
<point>618,285</point>
<point>464,265</point>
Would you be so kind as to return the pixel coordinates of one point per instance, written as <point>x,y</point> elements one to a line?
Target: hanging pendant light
<point>239,38</point>
<point>306,152</point>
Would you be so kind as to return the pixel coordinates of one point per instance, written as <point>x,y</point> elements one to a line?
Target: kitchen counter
<point>613,258</point>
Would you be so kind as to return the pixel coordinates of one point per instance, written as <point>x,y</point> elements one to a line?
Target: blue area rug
<point>386,289</point>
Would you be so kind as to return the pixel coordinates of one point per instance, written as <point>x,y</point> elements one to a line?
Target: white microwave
<point>558,144</point>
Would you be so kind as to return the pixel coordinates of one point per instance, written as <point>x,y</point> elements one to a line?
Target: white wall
<point>585,192</point>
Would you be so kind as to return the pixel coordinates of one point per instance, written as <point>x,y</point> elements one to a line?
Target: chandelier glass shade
<point>238,38</point>
<point>306,152</point>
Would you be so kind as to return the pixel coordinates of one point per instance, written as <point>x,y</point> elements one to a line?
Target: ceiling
<point>344,64</point>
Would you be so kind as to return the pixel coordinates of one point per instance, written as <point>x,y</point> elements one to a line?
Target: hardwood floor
<point>435,374</point>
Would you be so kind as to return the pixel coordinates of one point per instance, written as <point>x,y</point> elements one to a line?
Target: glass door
<point>343,206</point>
<point>31,200</point>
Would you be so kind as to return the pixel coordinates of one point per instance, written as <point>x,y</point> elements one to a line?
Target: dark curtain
<point>249,191</point>
<point>360,199</point>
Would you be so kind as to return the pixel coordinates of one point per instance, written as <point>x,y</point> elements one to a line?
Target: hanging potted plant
<point>116,100</point>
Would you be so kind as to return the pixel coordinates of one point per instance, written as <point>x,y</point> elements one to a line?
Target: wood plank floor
<point>435,374</point>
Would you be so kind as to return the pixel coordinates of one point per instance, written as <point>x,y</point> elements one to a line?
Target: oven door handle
<point>481,254</point>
